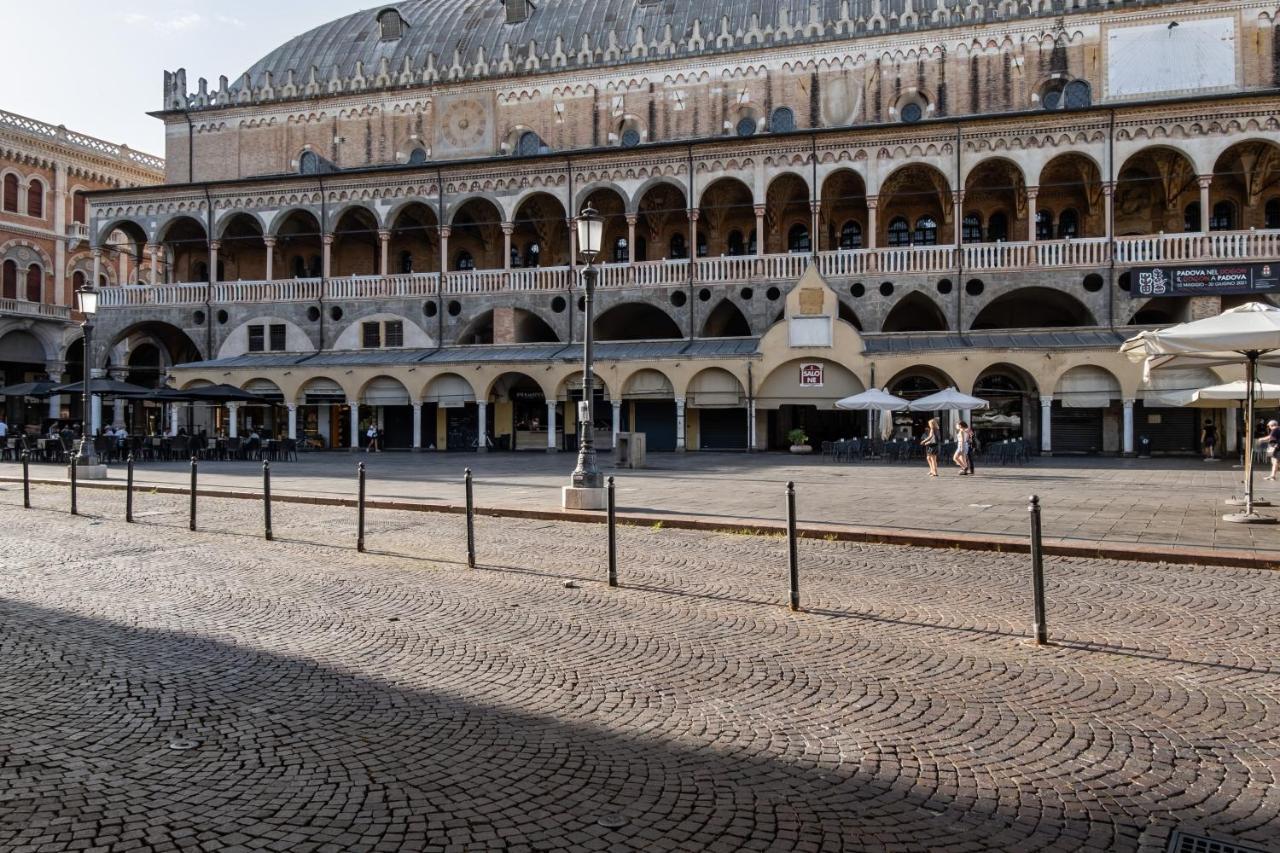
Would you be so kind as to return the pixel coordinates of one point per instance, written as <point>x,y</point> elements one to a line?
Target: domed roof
<point>440,32</point>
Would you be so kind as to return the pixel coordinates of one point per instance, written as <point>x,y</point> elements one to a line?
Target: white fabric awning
<point>873,400</point>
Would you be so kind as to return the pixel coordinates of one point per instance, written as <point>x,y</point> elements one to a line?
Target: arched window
<point>926,231</point>
<point>464,261</point>
<point>309,163</point>
<point>1224,217</point>
<point>783,120</point>
<point>35,284</point>
<point>851,235</point>
<point>201,271</point>
<point>1077,95</point>
<point>621,251</point>
<point>79,208</point>
<point>299,266</point>
<point>679,247</point>
<point>736,246</point>
<point>798,239</point>
<point>1069,224</point>
<point>390,24</point>
<point>35,199</point>
<point>899,232</point>
<point>77,283</point>
<point>11,193</point>
<point>998,227</point>
<point>532,254</point>
<point>746,126</point>
<point>1044,225</point>
<point>10,288</point>
<point>528,144</point>
<point>102,281</point>
<point>418,157</point>
<point>1271,214</point>
<point>971,228</point>
<point>1191,217</point>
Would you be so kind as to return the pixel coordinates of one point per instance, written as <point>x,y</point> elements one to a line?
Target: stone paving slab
<point>395,700</point>
<point>1147,502</point>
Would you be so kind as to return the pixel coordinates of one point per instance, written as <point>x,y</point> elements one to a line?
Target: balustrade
<point>34,309</point>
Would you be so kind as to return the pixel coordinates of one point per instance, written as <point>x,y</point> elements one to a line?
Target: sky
<point>98,68</point>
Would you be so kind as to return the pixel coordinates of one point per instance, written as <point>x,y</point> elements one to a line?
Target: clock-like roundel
<point>465,123</point>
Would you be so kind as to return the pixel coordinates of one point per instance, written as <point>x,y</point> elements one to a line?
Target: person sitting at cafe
<point>253,443</point>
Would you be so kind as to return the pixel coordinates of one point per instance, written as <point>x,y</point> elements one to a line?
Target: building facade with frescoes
<point>373,224</point>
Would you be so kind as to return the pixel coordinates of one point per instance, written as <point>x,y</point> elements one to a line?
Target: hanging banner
<point>1205,280</point>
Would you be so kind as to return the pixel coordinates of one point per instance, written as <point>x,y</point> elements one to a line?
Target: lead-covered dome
<point>470,38</point>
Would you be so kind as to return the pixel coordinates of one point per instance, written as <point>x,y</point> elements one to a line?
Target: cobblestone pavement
<point>396,700</point>
<point>1148,501</point>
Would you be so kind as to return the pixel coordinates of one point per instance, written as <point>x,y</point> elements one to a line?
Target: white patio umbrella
<point>1228,394</point>
<point>948,400</point>
<point>1248,334</point>
<point>873,400</point>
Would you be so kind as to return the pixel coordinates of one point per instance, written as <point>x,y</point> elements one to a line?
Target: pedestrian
<point>961,456</point>
<point>930,443</point>
<point>4,428</point>
<point>1208,440</point>
<point>972,444</point>
<point>1272,442</point>
<point>373,436</point>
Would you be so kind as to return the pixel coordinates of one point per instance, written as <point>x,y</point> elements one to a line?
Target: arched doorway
<point>521,420</point>
<point>452,400</point>
<point>322,413</point>
<point>913,384</point>
<point>1014,406</point>
<point>1084,418</point>
<point>716,411</point>
<point>802,394</point>
<point>22,359</point>
<point>385,403</point>
<point>649,406</point>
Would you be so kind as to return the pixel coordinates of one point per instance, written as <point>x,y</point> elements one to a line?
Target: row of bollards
<point>1039,625</point>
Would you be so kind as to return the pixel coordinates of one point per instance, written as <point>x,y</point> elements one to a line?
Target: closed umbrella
<point>1249,335</point>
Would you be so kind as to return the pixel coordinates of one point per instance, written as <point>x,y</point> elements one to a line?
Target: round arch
<point>915,312</point>
<point>476,239</point>
<point>384,390</point>
<point>636,321</point>
<point>662,221</point>
<point>1033,308</point>
<point>609,202</point>
<point>844,213</point>
<point>134,231</point>
<point>1156,191</point>
<point>296,222</point>
<point>539,231</point>
<point>726,320</point>
<point>503,385</point>
<point>245,220</point>
<point>726,206</point>
<point>186,226</point>
<point>920,195</point>
<point>995,198</point>
<point>178,346</point>
<point>449,390</point>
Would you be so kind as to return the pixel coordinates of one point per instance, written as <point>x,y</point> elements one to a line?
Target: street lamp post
<point>87,297</point>
<point>586,490</point>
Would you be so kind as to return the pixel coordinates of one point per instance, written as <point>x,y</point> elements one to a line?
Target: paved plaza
<point>167,690</point>
<point>1145,501</point>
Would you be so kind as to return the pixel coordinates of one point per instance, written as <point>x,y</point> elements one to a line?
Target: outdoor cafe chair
<point>289,450</point>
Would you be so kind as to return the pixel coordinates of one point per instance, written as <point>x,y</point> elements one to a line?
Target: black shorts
<point>931,449</point>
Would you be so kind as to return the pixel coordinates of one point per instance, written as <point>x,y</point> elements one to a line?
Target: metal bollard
<point>471,523</point>
<point>793,552</point>
<point>194,469</point>
<point>128,491</point>
<point>26,480</point>
<point>613,536</point>
<point>1040,625</point>
<point>360,509</point>
<point>74,510</point>
<point>266,499</point>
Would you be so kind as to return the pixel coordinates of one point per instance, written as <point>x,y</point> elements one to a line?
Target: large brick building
<point>45,174</point>
<point>373,222</point>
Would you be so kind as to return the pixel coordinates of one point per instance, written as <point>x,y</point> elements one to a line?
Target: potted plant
<point>799,441</point>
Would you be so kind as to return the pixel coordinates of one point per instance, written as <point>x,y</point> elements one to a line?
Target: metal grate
<point>1181,842</point>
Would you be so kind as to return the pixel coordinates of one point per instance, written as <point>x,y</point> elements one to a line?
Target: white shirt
<point>4,430</point>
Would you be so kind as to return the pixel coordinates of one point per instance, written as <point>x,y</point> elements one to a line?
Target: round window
<point>746,127</point>
<point>430,309</point>
<point>704,295</point>
<point>747,293</point>
<point>313,313</point>
<point>455,308</point>
<point>974,287</point>
<point>335,313</point>
<point>944,286</point>
<point>678,298</point>
<point>772,294</point>
<point>886,288</point>
<point>198,318</point>
<point>912,112</point>
<point>856,290</point>
<point>222,318</point>
<point>558,305</point>
<point>630,138</point>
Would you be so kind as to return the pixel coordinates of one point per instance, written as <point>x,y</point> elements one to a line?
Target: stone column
<point>384,248</point>
<point>1032,194</point>
<point>155,252</point>
<point>693,234</point>
<point>751,426</point>
<point>117,413</point>
<point>326,263</point>
<point>444,249</point>
<point>617,420</point>
<point>354,421</point>
<point>1205,211</point>
<point>508,228</point>
<point>55,401</point>
<point>417,426</point>
<point>680,425</point>
<point>1128,427</point>
<point>97,267</point>
<point>270,243</point>
<point>293,421</point>
<point>957,218</point>
<point>481,421</point>
<point>1046,425</point>
<point>122,267</point>
<point>760,212</point>
<point>1230,436</point>
<point>95,405</point>
<point>174,414</point>
<point>631,238</point>
<point>233,420</point>
<point>551,426</point>
<point>213,261</point>
<point>869,239</point>
<point>1107,210</point>
<point>815,210</point>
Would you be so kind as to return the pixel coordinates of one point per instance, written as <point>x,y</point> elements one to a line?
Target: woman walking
<point>961,456</point>
<point>1272,441</point>
<point>930,443</point>
<point>1209,440</point>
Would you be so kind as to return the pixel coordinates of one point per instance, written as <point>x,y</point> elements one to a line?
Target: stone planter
<point>801,448</point>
